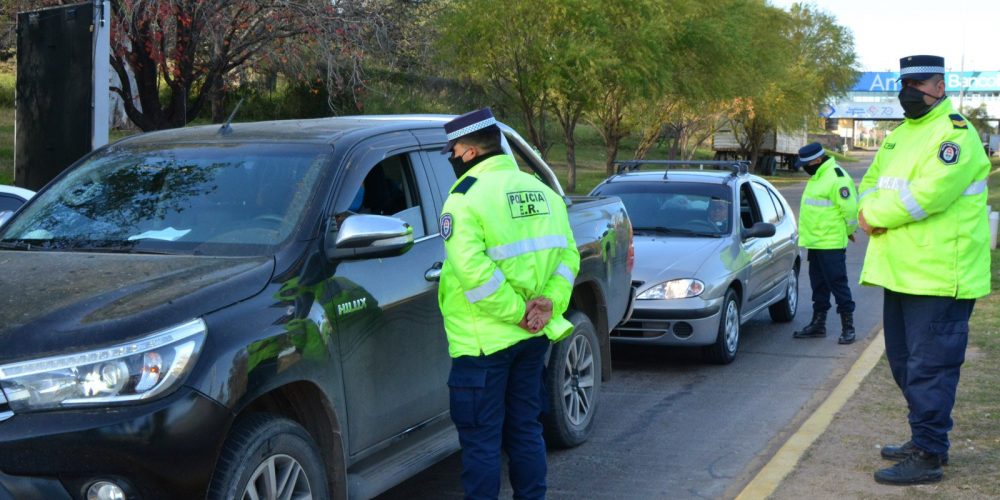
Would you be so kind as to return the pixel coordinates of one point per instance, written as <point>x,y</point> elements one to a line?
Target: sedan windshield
<point>243,199</point>
<point>675,208</point>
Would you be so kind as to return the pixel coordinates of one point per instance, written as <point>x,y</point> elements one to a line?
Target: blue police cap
<point>809,152</point>
<point>468,123</point>
<point>920,68</point>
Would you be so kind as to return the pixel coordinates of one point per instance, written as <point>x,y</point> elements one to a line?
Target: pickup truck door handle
<point>434,273</point>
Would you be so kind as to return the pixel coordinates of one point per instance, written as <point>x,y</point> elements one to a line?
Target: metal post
<point>101,99</point>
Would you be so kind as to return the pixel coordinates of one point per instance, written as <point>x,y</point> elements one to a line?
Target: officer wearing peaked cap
<point>506,281</point>
<point>828,217</point>
<point>923,201</point>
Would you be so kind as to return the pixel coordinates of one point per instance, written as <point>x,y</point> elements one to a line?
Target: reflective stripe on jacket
<point>507,240</point>
<point>927,186</point>
<point>829,208</point>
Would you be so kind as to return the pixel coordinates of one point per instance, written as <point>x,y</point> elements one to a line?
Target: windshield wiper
<point>117,249</point>
<point>20,245</point>
<point>78,246</point>
<point>677,230</point>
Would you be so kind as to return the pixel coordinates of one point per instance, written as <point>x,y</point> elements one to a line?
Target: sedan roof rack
<point>736,167</point>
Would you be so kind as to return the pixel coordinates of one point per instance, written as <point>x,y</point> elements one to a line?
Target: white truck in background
<point>778,148</point>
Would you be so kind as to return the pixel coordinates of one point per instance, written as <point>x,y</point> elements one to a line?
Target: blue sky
<point>885,30</point>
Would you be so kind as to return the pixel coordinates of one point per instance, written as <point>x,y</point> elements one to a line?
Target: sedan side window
<point>749,212</point>
<point>777,204</point>
<point>767,210</point>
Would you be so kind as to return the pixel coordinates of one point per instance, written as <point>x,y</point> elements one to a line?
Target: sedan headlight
<point>137,370</point>
<point>674,289</point>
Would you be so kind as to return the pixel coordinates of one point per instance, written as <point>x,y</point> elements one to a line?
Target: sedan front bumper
<point>679,322</point>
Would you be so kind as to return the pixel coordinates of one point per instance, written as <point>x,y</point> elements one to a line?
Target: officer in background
<point>923,201</point>
<point>505,284</point>
<point>828,217</point>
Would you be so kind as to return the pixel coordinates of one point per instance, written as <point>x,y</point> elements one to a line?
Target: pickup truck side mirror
<point>368,236</point>
<point>759,230</point>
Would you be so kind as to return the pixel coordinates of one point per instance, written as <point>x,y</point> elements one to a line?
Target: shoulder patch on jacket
<point>464,186</point>
<point>948,153</point>
<point>840,173</point>
<point>446,226</point>
<point>958,121</point>
<point>845,193</point>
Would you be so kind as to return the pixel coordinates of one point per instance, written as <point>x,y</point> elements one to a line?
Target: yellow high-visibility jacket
<point>829,208</point>
<point>927,185</point>
<point>507,240</point>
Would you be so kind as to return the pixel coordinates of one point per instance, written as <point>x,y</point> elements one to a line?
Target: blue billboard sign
<point>970,81</point>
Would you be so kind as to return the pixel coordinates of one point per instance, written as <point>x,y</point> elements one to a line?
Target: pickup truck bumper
<point>161,449</point>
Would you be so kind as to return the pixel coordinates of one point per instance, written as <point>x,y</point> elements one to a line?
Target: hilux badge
<point>352,306</point>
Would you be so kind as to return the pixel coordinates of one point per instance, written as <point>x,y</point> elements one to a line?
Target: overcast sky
<point>885,30</point>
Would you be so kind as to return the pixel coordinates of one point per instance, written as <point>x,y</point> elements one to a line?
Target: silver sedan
<point>712,249</point>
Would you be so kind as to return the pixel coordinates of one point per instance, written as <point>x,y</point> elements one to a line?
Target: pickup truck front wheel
<point>269,457</point>
<point>573,378</point>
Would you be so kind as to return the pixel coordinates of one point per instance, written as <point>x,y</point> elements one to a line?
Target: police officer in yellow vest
<point>828,217</point>
<point>505,284</point>
<point>923,201</point>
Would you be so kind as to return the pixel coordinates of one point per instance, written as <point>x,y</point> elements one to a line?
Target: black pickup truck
<point>252,311</point>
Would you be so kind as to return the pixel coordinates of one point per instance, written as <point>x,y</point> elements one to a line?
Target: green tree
<point>508,50</point>
<point>579,58</point>
<point>637,66</point>
<point>980,119</point>
<point>813,61</point>
<point>709,53</point>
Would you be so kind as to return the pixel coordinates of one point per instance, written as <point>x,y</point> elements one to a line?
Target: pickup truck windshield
<point>234,199</point>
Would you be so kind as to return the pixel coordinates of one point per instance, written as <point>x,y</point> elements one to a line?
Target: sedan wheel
<point>784,310</point>
<point>727,341</point>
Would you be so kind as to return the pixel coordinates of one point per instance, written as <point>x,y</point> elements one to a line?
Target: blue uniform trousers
<point>925,339</point>
<point>828,273</point>
<point>496,402</point>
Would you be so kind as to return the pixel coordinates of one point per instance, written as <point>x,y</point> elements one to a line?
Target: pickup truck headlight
<point>138,370</point>
<point>674,289</point>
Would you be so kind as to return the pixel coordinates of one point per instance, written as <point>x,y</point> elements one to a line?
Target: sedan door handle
<point>434,273</point>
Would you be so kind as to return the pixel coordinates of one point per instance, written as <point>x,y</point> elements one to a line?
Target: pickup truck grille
<point>5,412</point>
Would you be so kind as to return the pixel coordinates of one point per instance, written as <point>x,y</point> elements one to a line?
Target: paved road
<point>671,426</point>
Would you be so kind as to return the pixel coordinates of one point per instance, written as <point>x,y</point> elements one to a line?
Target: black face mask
<point>811,169</point>
<point>458,165</point>
<point>912,101</point>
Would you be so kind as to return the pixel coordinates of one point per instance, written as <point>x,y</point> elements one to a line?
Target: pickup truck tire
<point>573,382</point>
<point>727,342</point>
<point>784,310</point>
<point>269,457</point>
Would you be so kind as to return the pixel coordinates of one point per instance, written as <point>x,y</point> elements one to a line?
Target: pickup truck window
<point>523,162</point>
<point>390,189</point>
<point>206,199</point>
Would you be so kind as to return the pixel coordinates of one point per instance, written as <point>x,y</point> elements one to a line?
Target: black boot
<point>918,467</point>
<point>846,328</point>
<point>815,328</point>
<point>900,452</point>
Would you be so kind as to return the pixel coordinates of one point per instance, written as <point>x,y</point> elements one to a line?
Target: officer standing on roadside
<point>923,201</point>
<point>505,284</point>
<point>828,217</point>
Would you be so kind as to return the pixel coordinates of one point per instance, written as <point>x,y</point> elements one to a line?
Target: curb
<point>788,456</point>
